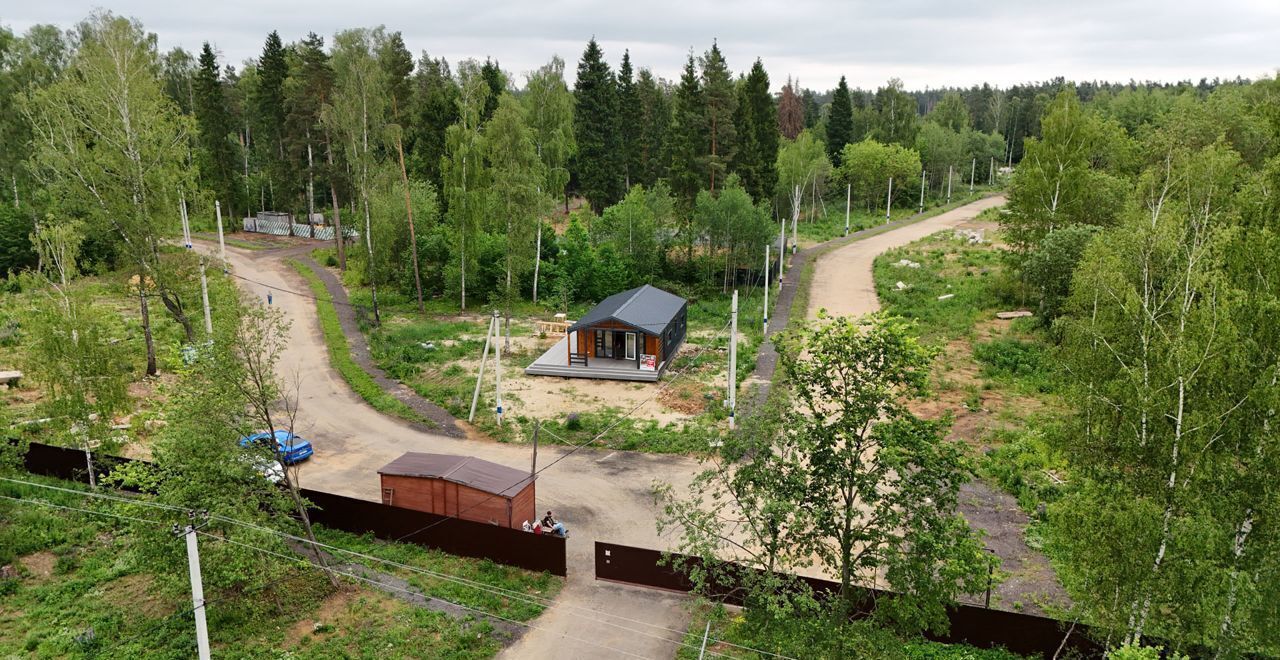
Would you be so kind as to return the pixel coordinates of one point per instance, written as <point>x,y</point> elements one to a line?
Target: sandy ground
<point>602,495</point>
<point>842,280</point>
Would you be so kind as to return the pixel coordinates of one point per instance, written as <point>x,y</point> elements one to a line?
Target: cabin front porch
<point>557,362</point>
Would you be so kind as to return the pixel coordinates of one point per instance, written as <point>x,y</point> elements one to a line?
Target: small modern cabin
<point>632,335</point>
<point>461,487</point>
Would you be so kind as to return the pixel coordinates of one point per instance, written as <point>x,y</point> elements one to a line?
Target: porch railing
<point>577,358</point>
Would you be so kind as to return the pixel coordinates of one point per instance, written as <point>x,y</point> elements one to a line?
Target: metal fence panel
<point>513,547</point>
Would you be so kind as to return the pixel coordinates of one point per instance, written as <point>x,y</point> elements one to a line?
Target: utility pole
<point>497,366</point>
<point>991,178</point>
<point>888,202</point>
<point>973,168</point>
<point>186,226</point>
<point>222,244</point>
<point>484,357</point>
<point>924,175</point>
<point>848,197</point>
<point>204,297</point>
<point>537,250</point>
<point>782,249</point>
<point>705,634</point>
<point>767,284</point>
<point>533,466</point>
<point>733,357</point>
<point>949,168</point>
<point>197,587</point>
<point>795,220</point>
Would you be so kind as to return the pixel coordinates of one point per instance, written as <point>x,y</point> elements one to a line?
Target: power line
<point>496,590</point>
<point>89,511</point>
<point>415,593</point>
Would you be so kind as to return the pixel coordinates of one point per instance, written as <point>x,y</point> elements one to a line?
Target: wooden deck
<point>555,362</point>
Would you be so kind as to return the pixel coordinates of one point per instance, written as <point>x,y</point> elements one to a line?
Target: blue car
<point>290,447</point>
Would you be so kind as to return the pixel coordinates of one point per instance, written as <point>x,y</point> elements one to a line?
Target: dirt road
<point>842,282</point>
<point>600,494</point>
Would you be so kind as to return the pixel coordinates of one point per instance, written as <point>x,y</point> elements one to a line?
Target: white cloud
<point>927,43</point>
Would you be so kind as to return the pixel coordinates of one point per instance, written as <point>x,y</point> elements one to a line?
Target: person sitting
<point>554,526</point>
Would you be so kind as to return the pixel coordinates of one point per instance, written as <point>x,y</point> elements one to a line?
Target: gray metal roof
<point>646,308</point>
<point>466,470</point>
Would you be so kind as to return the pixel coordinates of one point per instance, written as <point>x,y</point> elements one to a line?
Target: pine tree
<point>595,124</point>
<point>687,139</point>
<point>720,104</point>
<point>628,123</point>
<point>216,156</point>
<point>433,109</point>
<point>655,120</point>
<point>839,122</point>
<point>269,114</point>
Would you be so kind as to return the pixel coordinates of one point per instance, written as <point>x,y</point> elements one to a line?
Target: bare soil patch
<point>39,564</point>
<point>137,594</point>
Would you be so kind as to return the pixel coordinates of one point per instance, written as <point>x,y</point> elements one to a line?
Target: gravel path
<point>440,419</point>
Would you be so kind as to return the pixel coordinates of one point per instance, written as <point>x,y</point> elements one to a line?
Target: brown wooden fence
<point>513,547</point>
<point>1026,634</point>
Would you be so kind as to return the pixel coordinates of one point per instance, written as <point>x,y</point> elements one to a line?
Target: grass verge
<point>340,352</point>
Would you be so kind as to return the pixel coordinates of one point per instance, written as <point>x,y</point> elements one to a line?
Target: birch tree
<point>464,171</point>
<point>356,116</point>
<point>548,107</point>
<point>109,142</point>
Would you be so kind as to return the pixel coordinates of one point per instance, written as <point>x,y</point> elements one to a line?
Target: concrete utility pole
<point>497,366</point>
<point>204,297</point>
<point>537,254</point>
<point>733,357</point>
<point>924,175</point>
<point>484,357</point>
<point>795,221</point>
<point>767,284</point>
<point>197,589</point>
<point>848,197</point>
<point>973,168</point>
<point>186,226</point>
<point>991,178</point>
<point>949,168</point>
<point>888,202</point>
<point>222,244</point>
<point>782,249</point>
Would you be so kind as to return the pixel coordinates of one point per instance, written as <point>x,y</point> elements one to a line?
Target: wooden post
<point>484,357</point>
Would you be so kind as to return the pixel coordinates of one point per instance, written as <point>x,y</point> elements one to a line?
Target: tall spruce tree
<point>839,122</point>
<point>434,108</point>
<point>269,115</point>
<point>497,82</point>
<point>217,155</point>
<point>721,102</point>
<point>628,123</point>
<point>790,112</point>
<point>687,139</point>
<point>655,119</point>
<point>595,122</point>
<point>758,131</point>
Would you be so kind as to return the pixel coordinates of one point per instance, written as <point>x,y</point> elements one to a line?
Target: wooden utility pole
<point>484,357</point>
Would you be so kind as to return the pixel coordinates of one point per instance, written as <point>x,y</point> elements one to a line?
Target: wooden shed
<point>461,487</point>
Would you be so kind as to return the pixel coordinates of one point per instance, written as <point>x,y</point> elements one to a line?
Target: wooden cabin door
<point>631,346</point>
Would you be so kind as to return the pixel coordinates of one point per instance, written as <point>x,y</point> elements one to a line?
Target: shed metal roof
<point>646,308</point>
<point>466,470</point>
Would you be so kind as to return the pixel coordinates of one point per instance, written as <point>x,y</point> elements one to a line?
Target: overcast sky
<point>926,43</point>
